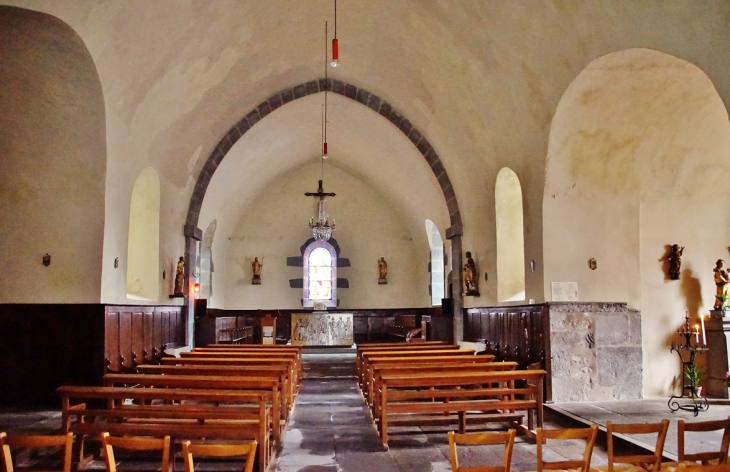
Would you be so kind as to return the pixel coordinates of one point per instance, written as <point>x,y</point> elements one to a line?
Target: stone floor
<point>331,430</point>
<point>650,411</point>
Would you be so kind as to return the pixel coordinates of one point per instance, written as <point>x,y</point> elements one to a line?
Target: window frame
<point>327,303</point>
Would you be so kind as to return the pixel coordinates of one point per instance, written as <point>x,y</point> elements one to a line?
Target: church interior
<point>539,181</point>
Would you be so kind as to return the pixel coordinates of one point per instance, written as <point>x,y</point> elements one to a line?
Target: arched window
<point>436,265</point>
<point>510,237</point>
<point>143,246</point>
<point>206,261</point>
<point>320,275</point>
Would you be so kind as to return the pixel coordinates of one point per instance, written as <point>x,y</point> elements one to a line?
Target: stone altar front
<point>321,329</point>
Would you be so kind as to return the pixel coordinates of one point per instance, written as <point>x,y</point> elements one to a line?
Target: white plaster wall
<point>636,162</point>
<point>276,226</point>
<point>52,162</point>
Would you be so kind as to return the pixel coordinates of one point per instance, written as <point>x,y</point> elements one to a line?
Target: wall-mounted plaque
<point>321,329</point>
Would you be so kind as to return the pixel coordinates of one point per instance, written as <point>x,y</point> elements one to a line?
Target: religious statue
<point>721,280</point>
<point>675,261</point>
<point>256,269</point>
<point>179,278</point>
<point>382,271</point>
<point>470,276</point>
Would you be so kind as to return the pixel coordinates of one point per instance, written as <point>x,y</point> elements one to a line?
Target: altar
<point>321,328</point>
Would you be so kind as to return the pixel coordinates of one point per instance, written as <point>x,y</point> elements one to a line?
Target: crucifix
<point>321,230</point>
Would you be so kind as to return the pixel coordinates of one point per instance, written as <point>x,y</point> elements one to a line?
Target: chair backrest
<point>36,441</point>
<point>247,450</point>
<point>134,443</point>
<point>586,434</point>
<point>482,439</point>
<point>637,428</point>
<point>704,426</point>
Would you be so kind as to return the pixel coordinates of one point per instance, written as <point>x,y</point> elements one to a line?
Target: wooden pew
<point>415,398</point>
<point>369,356</point>
<point>415,369</point>
<point>270,386</point>
<point>280,372</point>
<point>236,361</point>
<point>435,364</point>
<point>262,348</point>
<point>231,414</point>
<point>290,356</point>
<point>379,347</point>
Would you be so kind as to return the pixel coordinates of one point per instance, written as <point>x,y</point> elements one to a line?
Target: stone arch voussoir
<point>350,91</point>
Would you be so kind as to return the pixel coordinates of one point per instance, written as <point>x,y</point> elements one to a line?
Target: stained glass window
<point>320,274</point>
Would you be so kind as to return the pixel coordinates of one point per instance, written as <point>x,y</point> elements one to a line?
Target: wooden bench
<point>280,372</point>
<point>367,357</point>
<point>389,370</point>
<point>425,361</point>
<point>230,414</point>
<point>452,364</point>
<point>415,398</point>
<point>242,354</point>
<point>262,348</point>
<point>237,361</point>
<point>271,387</point>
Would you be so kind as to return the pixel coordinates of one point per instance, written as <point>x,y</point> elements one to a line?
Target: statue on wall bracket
<point>675,261</point>
<point>382,271</point>
<point>256,269</point>
<point>179,278</point>
<point>470,276</point>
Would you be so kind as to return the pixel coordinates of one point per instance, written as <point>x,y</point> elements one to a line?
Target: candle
<point>697,333</point>
<point>704,335</point>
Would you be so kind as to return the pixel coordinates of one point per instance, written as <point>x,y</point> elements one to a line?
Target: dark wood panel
<point>111,340</point>
<point>44,346</point>
<point>137,337</point>
<point>517,333</point>
<point>125,340</point>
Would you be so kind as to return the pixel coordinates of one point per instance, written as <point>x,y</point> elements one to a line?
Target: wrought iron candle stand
<point>687,353</point>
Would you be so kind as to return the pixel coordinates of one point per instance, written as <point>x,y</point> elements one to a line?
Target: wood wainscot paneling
<point>43,346</point>
<point>368,325</point>
<point>513,333</point>
<point>138,334</point>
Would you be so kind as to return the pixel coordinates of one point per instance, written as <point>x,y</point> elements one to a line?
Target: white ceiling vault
<point>480,79</point>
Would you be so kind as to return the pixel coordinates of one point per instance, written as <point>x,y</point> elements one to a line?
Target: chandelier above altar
<point>321,229</point>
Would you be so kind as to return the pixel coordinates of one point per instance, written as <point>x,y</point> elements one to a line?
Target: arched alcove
<point>143,246</point>
<point>637,159</point>
<point>436,265</point>
<point>510,237</point>
<point>53,148</point>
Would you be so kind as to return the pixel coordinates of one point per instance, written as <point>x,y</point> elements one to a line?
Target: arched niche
<point>637,160</point>
<point>436,264</point>
<point>143,245</point>
<point>53,148</point>
<point>510,237</point>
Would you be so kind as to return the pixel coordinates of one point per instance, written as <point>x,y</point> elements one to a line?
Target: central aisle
<point>330,428</point>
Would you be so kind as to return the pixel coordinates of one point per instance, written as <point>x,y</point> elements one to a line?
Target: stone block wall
<point>596,351</point>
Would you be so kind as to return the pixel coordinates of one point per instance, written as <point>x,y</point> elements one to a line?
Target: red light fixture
<point>335,47</point>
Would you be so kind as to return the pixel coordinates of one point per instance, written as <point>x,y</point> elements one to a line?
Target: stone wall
<point>596,351</point>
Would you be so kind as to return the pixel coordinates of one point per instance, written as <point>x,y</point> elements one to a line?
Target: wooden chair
<point>704,426</point>
<point>135,443</point>
<point>586,434</point>
<point>482,439</point>
<point>247,450</point>
<point>64,441</point>
<point>644,461</point>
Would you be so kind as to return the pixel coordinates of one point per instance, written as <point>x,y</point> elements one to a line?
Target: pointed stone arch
<point>350,91</point>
